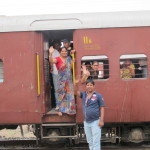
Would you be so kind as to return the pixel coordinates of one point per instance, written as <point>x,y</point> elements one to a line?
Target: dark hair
<point>90,81</point>
<point>62,48</point>
<point>53,42</point>
<point>87,63</point>
<point>94,62</point>
<point>56,42</point>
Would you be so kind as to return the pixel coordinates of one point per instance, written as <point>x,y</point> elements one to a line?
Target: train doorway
<point>48,38</point>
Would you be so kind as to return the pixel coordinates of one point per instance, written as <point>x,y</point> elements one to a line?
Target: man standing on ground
<point>93,112</point>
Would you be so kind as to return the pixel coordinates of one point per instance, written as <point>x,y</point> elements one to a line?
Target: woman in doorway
<point>66,101</point>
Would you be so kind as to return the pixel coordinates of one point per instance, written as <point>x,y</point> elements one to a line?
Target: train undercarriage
<point>72,134</point>
<point>111,133</point>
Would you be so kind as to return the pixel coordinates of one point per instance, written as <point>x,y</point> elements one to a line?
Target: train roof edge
<point>74,21</point>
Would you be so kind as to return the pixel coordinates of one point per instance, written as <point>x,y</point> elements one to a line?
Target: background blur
<point>32,7</point>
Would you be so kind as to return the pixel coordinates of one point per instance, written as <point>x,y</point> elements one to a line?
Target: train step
<point>52,112</point>
<point>52,117</point>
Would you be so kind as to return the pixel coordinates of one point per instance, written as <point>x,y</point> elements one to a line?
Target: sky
<point>36,7</point>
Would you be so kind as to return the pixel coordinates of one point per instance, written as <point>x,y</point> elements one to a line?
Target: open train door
<point>21,90</point>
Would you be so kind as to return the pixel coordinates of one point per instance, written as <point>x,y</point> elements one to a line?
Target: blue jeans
<point>93,134</point>
<point>55,82</point>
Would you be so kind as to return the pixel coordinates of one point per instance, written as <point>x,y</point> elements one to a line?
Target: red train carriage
<point>26,94</point>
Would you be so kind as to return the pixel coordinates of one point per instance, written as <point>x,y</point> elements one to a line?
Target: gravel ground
<point>16,133</point>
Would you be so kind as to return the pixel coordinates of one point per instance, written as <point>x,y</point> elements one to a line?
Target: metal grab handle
<point>38,74</point>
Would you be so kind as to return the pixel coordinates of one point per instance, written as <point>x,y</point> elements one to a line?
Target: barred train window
<point>98,66</point>
<point>1,71</point>
<point>133,66</point>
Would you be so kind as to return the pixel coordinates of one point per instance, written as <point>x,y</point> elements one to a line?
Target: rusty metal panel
<point>125,100</point>
<point>18,92</point>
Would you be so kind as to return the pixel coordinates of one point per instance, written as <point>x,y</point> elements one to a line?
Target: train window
<point>1,71</point>
<point>98,66</point>
<point>133,66</point>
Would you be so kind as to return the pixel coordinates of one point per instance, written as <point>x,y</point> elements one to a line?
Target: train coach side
<point>20,102</point>
<point>126,100</point>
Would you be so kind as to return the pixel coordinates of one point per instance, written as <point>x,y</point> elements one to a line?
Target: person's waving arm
<point>51,59</point>
<point>85,74</point>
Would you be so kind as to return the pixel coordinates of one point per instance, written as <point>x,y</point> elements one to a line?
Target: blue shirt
<point>91,106</point>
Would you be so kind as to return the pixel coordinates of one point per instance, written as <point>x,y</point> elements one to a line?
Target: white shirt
<point>55,54</point>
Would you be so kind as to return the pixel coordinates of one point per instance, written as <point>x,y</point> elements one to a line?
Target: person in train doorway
<point>93,112</point>
<point>66,100</point>
<point>67,45</point>
<point>54,71</point>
